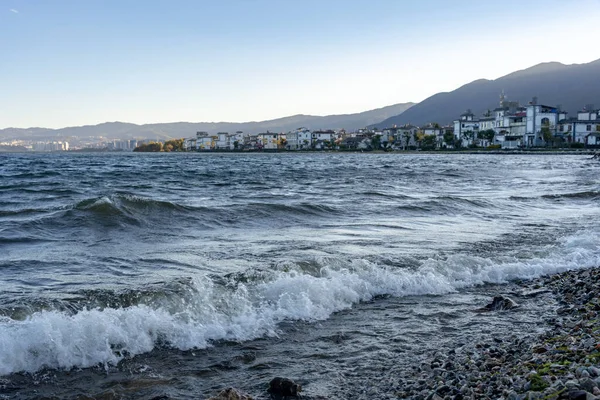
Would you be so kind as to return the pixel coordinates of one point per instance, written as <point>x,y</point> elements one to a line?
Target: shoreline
<point>561,363</point>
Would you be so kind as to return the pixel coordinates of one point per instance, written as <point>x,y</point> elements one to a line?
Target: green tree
<point>547,135</point>
<point>449,138</point>
<point>428,142</point>
<point>376,142</point>
<point>488,135</point>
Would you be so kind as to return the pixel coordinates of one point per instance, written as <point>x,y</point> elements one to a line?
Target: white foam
<point>207,312</point>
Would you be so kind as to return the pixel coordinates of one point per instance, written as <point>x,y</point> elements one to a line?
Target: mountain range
<point>122,130</point>
<point>570,86</point>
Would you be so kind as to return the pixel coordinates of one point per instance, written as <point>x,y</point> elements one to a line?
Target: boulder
<point>499,303</point>
<point>282,388</point>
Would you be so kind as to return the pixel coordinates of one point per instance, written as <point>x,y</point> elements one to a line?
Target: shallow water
<point>139,275</point>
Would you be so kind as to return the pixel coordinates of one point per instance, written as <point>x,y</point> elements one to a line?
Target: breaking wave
<point>243,306</point>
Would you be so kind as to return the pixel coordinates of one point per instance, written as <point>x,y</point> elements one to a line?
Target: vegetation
<point>149,147</point>
<point>486,135</point>
<point>169,145</point>
<point>547,135</point>
<point>376,142</point>
<point>449,138</point>
<point>429,142</point>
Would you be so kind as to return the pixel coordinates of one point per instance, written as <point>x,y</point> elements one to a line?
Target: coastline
<point>561,363</point>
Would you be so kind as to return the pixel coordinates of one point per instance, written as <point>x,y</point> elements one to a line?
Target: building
<point>541,125</point>
<point>466,128</point>
<point>299,139</point>
<point>204,141</point>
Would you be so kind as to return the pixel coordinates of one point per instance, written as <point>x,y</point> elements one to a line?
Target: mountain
<point>121,130</point>
<point>571,86</point>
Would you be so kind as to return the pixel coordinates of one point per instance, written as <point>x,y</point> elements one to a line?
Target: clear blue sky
<point>75,62</point>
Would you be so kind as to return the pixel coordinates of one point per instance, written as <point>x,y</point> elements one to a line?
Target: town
<point>510,126</point>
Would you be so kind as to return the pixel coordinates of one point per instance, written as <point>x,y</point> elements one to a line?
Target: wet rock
<point>587,384</point>
<point>499,303</point>
<point>230,394</point>
<point>281,388</point>
<point>578,395</point>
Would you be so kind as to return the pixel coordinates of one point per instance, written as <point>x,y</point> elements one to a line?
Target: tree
<point>282,143</point>
<point>488,135</point>
<point>149,147</point>
<point>174,145</point>
<point>449,138</point>
<point>546,134</point>
<point>428,142</point>
<point>376,142</point>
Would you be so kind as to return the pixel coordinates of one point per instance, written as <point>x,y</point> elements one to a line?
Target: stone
<point>587,384</point>
<point>283,387</point>
<point>577,395</point>
<point>230,394</point>
<point>501,302</point>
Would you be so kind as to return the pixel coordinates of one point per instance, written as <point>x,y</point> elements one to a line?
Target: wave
<point>130,209</point>
<point>592,194</point>
<point>240,307</point>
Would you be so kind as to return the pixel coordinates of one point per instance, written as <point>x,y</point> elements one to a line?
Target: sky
<point>82,62</point>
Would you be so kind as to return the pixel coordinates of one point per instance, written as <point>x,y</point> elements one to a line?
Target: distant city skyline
<point>70,63</point>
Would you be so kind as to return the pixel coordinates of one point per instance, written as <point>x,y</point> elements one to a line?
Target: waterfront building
<point>299,139</point>
<point>540,118</point>
<point>466,128</point>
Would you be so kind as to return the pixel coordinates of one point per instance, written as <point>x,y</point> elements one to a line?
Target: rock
<point>283,387</point>
<point>501,302</point>
<point>230,394</point>
<point>578,395</point>
<point>587,384</point>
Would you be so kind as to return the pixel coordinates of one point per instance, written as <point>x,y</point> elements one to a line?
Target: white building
<point>268,140</point>
<point>204,141</point>
<point>190,144</point>
<point>323,135</point>
<point>299,139</point>
<point>466,128</point>
<point>539,117</point>
<point>222,141</point>
<point>236,140</point>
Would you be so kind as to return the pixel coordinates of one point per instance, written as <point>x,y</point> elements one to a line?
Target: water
<point>142,275</point>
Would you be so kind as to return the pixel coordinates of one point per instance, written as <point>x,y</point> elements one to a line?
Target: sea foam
<point>207,312</point>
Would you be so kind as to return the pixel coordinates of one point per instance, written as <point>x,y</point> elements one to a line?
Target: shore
<point>563,363</point>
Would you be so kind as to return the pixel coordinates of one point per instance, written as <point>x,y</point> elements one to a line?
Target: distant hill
<point>571,86</point>
<point>121,130</point>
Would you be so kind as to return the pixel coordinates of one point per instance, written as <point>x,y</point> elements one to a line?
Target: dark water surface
<point>140,275</point>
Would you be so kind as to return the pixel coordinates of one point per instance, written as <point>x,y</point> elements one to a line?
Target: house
<point>359,142</point>
<point>189,144</point>
<point>593,140</point>
<point>576,130</point>
<point>222,141</point>
<point>325,137</point>
<point>299,139</point>
<point>466,128</point>
<point>432,129</point>
<point>268,140</point>
<point>588,121</point>
<point>236,140</point>
<point>542,122</point>
<point>204,141</point>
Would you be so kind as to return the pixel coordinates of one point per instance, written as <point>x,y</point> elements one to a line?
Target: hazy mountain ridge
<point>571,86</point>
<point>123,130</point>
